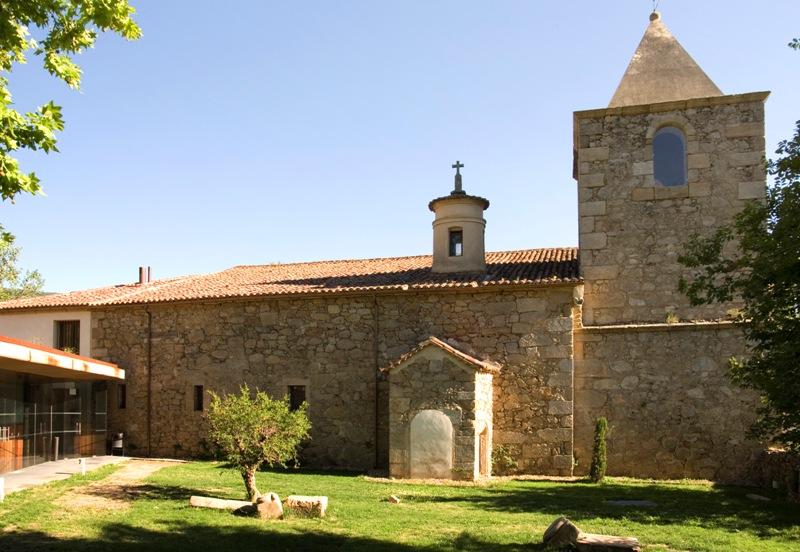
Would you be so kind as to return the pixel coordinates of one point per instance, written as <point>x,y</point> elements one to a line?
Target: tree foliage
<point>55,30</point>
<point>252,430</point>
<point>597,470</point>
<point>15,283</point>
<point>757,258</point>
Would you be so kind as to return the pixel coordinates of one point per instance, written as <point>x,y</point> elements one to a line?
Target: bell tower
<point>458,230</point>
<point>670,156</point>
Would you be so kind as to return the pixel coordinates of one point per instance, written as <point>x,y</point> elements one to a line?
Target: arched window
<point>669,157</point>
<point>455,242</point>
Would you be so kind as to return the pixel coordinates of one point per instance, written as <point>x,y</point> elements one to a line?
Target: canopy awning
<point>30,358</point>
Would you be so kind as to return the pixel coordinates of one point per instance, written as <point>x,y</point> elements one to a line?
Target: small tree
<point>598,469</point>
<point>254,430</point>
<point>14,282</point>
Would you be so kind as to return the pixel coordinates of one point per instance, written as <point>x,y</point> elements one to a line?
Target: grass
<point>503,516</point>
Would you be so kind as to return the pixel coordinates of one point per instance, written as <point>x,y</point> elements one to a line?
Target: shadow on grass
<point>339,472</point>
<point>127,538</point>
<point>722,507</point>
<point>147,491</point>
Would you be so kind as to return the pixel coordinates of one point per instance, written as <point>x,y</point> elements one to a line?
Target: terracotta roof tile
<point>506,268</point>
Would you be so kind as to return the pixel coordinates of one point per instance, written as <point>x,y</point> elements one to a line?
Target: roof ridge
<point>394,258</point>
<point>520,267</point>
<point>329,261</point>
<point>139,289</point>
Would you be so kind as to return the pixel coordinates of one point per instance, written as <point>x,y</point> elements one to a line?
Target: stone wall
<point>664,389</point>
<point>631,230</point>
<point>434,380</point>
<point>335,346</point>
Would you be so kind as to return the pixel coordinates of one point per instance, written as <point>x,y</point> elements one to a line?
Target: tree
<point>757,258</point>
<point>254,430</point>
<point>56,30</point>
<point>15,283</point>
<point>597,471</point>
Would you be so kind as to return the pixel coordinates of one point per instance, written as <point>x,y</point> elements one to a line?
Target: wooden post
<point>82,465</point>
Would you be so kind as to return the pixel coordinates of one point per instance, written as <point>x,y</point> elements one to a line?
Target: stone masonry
<point>435,380</point>
<point>664,389</point>
<point>632,231</point>
<point>336,346</point>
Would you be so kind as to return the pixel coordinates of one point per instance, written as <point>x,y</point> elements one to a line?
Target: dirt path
<point>115,491</point>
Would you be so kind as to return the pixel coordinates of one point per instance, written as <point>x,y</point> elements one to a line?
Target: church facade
<point>422,365</point>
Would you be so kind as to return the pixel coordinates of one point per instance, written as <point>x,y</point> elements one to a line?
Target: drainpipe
<point>376,329</point>
<point>149,378</point>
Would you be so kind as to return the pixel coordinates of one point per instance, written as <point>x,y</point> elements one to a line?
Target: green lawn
<point>509,515</point>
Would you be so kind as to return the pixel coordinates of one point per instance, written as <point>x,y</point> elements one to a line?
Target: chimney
<point>144,274</point>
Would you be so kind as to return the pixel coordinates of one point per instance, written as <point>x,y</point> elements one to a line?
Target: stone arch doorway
<point>431,445</point>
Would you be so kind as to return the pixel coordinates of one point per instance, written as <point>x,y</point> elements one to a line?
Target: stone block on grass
<point>310,506</point>
<point>561,533</point>
<point>589,542</point>
<point>269,507</point>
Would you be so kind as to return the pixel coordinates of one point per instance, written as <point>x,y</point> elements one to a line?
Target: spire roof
<point>661,71</point>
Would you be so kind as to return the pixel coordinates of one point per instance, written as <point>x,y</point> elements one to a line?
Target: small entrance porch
<point>440,413</point>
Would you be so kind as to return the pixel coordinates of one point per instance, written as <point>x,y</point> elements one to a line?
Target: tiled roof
<point>507,268</point>
<point>480,365</point>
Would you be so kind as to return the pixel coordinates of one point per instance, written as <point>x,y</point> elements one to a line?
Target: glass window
<point>198,398</point>
<point>68,336</point>
<point>669,157</point>
<point>122,396</point>
<point>297,396</point>
<point>456,248</point>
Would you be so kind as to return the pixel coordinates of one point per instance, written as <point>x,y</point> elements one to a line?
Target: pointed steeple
<point>661,71</point>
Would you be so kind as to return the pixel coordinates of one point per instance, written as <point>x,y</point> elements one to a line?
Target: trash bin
<point>117,445</point>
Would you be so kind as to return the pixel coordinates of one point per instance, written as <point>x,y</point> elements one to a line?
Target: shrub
<point>253,431</point>
<point>597,471</point>
<point>503,460</point>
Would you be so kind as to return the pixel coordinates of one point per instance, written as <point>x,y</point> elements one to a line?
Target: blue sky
<point>267,131</point>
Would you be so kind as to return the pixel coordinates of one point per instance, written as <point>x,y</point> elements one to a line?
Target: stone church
<point>422,365</point>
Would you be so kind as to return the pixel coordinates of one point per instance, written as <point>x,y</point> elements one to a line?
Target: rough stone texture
<point>217,503</point>
<point>590,542</point>
<point>269,506</point>
<point>779,469</point>
<point>438,408</point>
<point>311,506</point>
<point>562,533</point>
<point>632,231</point>
<point>330,345</point>
<point>671,408</point>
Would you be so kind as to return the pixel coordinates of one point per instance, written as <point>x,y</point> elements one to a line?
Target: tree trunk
<point>249,476</point>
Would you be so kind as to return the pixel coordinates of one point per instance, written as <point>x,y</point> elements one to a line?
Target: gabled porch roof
<point>469,360</point>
